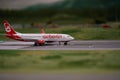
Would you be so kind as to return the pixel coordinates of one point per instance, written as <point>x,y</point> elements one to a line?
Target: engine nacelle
<point>41,42</point>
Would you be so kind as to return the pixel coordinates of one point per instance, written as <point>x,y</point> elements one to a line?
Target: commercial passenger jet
<point>39,39</point>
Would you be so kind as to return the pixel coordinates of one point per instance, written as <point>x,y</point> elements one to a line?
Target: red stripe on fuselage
<point>15,37</point>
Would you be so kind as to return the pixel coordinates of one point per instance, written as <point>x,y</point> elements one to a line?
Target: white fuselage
<point>45,37</point>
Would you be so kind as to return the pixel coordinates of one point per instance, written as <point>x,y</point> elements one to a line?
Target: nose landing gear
<point>66,43</point>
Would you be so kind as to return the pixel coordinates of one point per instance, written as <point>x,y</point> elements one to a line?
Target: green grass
<point>45,61</point>
<point>77,32</point>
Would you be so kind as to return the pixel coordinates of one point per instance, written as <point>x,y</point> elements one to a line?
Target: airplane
<point>38,39</point>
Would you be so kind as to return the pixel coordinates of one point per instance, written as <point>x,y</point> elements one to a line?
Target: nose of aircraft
<point>69,37</point>
<point>72,38</point>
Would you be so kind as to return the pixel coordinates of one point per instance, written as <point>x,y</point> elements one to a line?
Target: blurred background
<point>67,15</point>
<point>60,11</point>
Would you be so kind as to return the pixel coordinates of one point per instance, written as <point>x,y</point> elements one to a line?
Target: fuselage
<point>45,37</point>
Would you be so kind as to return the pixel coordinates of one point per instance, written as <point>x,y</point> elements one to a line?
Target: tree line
<point>111,14</point>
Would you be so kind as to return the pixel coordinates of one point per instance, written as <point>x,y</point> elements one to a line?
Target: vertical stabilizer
<point>8,28</point>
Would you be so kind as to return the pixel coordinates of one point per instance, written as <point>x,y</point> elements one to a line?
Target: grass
<point>77,32</point>
<point>45,61</point>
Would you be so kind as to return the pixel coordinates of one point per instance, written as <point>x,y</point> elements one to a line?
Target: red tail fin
<point>42,31</point>
<point>8,28</point>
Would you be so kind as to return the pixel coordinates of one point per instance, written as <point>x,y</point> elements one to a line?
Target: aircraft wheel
<point>65,43</point>
<point>41,44</point>
<point>36,43</point>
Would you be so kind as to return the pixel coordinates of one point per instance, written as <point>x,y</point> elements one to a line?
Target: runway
<point>73,45</point>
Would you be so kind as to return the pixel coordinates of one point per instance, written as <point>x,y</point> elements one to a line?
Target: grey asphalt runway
<point>87,76</point>
<point>73,45</point>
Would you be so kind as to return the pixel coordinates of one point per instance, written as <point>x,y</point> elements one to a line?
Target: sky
<point>19,4</point>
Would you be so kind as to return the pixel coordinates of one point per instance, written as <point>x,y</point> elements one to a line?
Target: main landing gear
<point>65,43</point>
<point>38,44</point>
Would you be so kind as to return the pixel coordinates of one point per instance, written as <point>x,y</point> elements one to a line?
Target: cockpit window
<point>68,36</point>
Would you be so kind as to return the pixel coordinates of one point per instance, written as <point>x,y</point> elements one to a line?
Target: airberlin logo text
<point>52,36</point>
<point>7,27</point>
